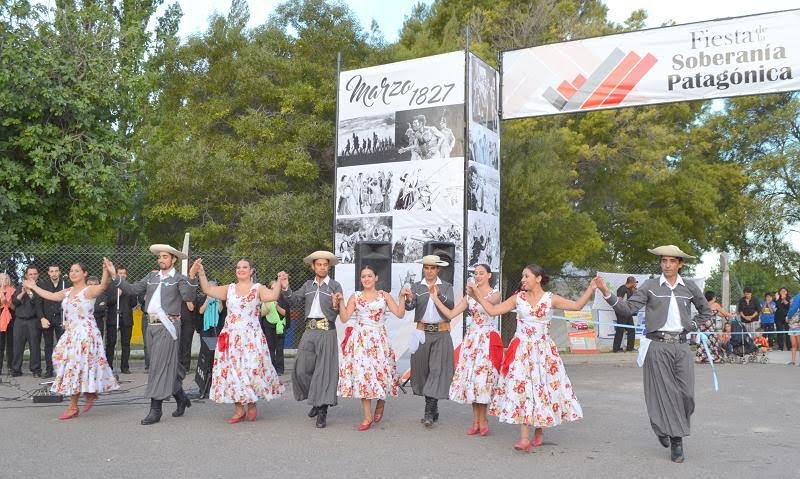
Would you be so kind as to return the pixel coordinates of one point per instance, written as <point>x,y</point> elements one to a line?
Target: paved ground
<point>747,429</point>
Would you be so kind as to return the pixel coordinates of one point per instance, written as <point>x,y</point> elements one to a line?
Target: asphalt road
<point>747,429</point>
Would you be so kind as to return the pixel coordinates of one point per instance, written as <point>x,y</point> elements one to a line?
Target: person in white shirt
<point>668,364</point>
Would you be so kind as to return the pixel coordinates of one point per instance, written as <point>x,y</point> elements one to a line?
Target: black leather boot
<point>182,402</point>
<point>663,440</point>
<point>322,415</point>
<point>313,411</point>
<point>155,413</point>
<point>435,409</point>
<point>427,419</point>
<point>676,449</point>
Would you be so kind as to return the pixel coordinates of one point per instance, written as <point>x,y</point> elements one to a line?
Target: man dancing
<point>432,348</point>
<point>316,368</point>
<point>669,363</point>
<point>164,290</point>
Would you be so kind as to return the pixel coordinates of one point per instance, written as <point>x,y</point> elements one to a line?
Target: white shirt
<point>673,323</point>
<point>154,306</point>
<point>431,313</point>
<point>316,310</point>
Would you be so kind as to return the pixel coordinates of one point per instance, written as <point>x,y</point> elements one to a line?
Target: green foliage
<point>69,91</point>
<point>244,120</point>
<point>762,276</point>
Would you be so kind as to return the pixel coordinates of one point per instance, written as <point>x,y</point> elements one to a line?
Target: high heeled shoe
<point>69,414</point>
<point>473,430</point>
<point>379,413</point>
<point>524,446</point>
<point>538,439</point>
<point>484,429</point>
<point>89,402</point>
<point>252,412</point>
<point>364,427</point>
<point>235,419</point>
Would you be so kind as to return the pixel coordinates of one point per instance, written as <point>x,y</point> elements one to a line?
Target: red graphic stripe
<point>631,80</point>
<point>612,80</point>
<point>566,90</point>
<point>579,81</point>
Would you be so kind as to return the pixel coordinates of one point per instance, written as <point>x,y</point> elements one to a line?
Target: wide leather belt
<point>667,336</point>
<point>323,324</point>
<point>433,327</point>
<point>153,319</point>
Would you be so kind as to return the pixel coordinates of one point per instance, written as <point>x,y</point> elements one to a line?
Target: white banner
<point>425,82</point>
<point>721,58</point>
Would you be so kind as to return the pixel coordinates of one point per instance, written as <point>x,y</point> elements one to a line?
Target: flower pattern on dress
<point>536,391</point>
<point>79,358</point>
<point>368,369</point>
<point>475,377</point>
<point>244,372</point>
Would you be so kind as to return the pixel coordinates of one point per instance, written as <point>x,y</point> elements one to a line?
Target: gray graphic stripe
<point>595,80</point>
<point>554,98</point>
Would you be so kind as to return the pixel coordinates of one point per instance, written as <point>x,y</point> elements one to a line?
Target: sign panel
<point>721,58</point>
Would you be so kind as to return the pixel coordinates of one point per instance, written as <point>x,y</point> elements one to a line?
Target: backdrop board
<point>400,166</point>
<point>728,57</point>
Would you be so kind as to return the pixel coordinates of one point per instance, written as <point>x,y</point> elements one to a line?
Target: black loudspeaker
<point>377,254</point>
<point>205,364</point>
<point>446,251</point>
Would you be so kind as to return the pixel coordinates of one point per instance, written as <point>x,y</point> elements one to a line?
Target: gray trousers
<point>432,366</point>
<point>316,368</point>
<point>165,376</point>
<point>669,387</point>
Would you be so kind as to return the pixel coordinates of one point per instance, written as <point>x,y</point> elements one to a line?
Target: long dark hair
<point>538,271</point>
<point>488,270</point>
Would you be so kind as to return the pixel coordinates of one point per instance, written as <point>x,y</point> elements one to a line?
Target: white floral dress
<point>243,372</point>
<point>79,358</point>
<point>368,369</point>
<point>535,389</point>
<point>476,374</point>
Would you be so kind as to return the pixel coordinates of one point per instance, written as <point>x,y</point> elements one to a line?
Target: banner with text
<point>721,58</point>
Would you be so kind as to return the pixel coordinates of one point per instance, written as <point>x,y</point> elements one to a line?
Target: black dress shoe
<point>676,449</point>
<point>37,375</point>
<point>664,440</point>
<point>126,371</point>
<point>322,414</point>
<point>16,374</point>
<point>49,374</point>
<point>313,412</point>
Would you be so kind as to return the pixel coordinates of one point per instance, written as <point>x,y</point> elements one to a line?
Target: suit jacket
<point>52,309</point>
<point>655,298</point>
<point>27,307</point>
<point>174,290</point>
<point>421,296</point>
<point>125,307</point>
<point>305,295</point>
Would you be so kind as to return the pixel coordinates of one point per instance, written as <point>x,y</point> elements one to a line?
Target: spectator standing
<point>782,302</point>
<point>748,309</point>
<point>120,319</point>
<point>6,319</point>
<point>29,314</point>
<point>624,292</point>
<point>52,324</point>
<point>768,318</point>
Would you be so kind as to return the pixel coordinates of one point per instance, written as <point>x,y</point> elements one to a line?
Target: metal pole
<point>465,226</point>
<point>335,157</point>
<point>726,281</point>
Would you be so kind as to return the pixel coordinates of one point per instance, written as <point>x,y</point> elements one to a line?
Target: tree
<point>244,120</point>
<point>68,95</point>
